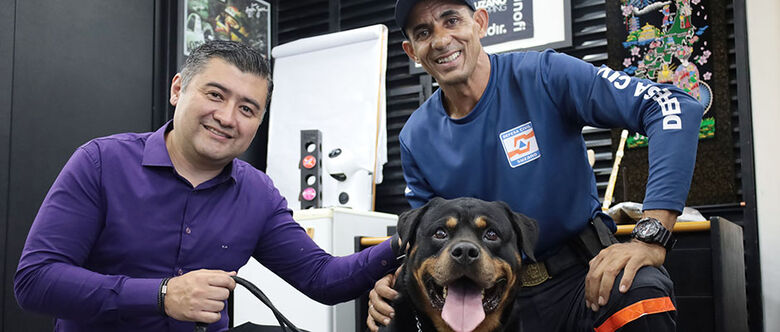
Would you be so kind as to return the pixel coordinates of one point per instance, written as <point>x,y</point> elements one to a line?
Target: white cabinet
<point>334,230</point>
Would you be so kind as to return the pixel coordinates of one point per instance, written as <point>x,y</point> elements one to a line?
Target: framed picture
<point>247,21</point>
<point>669,42</point>
<point>683,43</point>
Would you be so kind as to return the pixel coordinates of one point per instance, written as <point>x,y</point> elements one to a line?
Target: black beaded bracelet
<point>161,296</point>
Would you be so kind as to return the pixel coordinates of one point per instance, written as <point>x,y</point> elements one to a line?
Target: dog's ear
<point>409,220</point>
<point>526,229</point>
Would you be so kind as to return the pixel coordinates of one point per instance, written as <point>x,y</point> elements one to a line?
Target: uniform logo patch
<point>520,144</point>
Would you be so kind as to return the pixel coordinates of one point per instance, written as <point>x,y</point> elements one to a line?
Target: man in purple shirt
<point>131,213</point>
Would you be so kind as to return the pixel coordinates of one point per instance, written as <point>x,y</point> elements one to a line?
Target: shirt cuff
<point>384,257</point>
<point>656,204</point>
<point>139,295</point>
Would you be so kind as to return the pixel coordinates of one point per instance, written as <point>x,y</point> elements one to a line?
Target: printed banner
<point>526,24</point>
<point>509,20</point>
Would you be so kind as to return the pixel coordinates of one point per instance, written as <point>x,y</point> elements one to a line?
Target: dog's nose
<point>465,253</point>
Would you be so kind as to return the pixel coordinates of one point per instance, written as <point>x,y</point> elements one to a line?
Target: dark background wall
<point>7,15</point>
<point>69,71</point>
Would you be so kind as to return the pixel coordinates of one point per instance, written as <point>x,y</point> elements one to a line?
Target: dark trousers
<point>558,304</point>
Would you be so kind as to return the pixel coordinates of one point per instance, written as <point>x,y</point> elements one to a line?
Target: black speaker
<point>311,169</point>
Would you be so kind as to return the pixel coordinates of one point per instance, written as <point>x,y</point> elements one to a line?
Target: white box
<point>334,230</point>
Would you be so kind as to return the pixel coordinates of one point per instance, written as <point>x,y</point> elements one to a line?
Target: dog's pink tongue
<point>463,308</point>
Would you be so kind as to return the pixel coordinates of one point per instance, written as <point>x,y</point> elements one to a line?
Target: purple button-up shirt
<point>119,218</point>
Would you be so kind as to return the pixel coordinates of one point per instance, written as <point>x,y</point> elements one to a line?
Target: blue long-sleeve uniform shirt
<point>522,143</point>
<point>118,219</point>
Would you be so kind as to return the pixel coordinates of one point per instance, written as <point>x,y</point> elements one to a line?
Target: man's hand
<point>628,257</point>
<point>379,310</point>
<point>199,296</point>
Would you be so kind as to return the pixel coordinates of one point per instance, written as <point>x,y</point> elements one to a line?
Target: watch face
<point>647,229</point>
<point>652,231</point>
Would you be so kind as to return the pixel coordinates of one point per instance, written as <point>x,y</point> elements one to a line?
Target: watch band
<point>665,238</point>
<point>661,236</point>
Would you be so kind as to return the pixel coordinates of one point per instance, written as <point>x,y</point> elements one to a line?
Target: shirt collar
<point>155,151</point>
<point>156,154</point>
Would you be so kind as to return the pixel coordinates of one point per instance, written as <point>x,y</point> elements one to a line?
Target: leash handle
<point>284,323</point>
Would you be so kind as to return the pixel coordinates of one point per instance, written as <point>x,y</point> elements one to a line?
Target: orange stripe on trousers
<point>634,311</point>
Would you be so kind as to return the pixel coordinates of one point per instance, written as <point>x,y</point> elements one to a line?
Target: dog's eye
<point>440,234</point>
<point>491,235</point>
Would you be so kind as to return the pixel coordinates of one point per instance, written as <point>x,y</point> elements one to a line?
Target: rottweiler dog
<point>462,267</point>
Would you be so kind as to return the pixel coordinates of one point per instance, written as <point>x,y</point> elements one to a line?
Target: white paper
<point>334,83</point>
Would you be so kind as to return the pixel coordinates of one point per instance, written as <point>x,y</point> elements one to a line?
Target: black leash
<point>284,323</point>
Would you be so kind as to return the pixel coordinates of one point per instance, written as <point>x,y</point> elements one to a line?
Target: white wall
<point>764,49</point>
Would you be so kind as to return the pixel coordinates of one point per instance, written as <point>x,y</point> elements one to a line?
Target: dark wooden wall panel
<point>7,21</point>
<point>81,69</point>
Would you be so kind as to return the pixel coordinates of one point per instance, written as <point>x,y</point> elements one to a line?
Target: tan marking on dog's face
<point>418,278</point>
<point>445,270</point>
<point>488,273</point>
<point>441,325</point>
<point>489,324</point>
<point>491,269</point>
<point>432,313</point>
<point>480,222</point>
<point>511,280</point>
<point>412,252</point>
<point>493,320</point>
<point>452,222</point>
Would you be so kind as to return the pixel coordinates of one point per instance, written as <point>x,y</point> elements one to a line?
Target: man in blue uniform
<point>508,127</point>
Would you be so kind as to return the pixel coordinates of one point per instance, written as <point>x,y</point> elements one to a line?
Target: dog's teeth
<point>444,293</point>
<point>483,293</point>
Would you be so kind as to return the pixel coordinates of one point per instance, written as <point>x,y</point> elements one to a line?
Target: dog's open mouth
<point>464,304</point>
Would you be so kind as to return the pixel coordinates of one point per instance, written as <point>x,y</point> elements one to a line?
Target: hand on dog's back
<point>379,308</point>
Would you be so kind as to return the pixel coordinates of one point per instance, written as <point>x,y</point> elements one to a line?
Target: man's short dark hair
<point>244,57</point>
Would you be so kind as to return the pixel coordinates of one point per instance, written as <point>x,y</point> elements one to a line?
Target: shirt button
<point>180,272</point>
<point>188,230</point>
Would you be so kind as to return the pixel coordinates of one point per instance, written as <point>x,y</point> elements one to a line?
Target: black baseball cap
<point>403,7</point>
